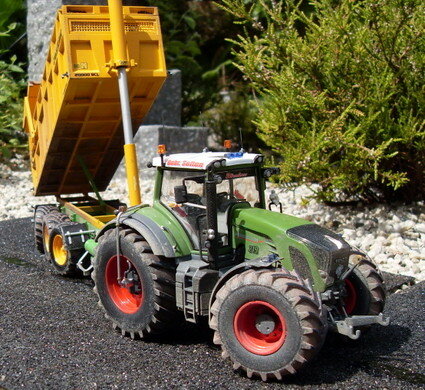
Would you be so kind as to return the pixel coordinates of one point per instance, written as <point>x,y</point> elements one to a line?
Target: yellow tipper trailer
<point>73,118</point>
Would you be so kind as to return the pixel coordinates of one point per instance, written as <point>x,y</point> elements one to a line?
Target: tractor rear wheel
<point>365,290</point>
<point>63,259</point>
<point>269,323</point>
<point>137,288</point>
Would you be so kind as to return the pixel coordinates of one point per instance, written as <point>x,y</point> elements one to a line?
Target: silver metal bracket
<point>117,243</point>
<point>348,325</point>
<point>87,270</point>
<point>81,233</point>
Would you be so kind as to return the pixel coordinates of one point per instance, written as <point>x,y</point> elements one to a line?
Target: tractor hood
<point>302,244</point>
<point>265,221</point>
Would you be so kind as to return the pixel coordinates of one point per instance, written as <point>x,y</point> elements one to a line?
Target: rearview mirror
<point>180,194</point>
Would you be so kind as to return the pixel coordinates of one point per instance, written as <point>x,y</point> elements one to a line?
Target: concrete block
<point>168,105</point>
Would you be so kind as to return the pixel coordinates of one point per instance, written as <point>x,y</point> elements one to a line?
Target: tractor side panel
<point>265,232</point>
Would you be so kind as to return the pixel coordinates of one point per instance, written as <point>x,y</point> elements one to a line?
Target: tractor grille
<point>300,263</point>
<point>328,249</point>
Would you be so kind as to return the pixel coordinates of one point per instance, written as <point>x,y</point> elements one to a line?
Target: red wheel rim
<point>259,327</point>
<point>351,299</point>
<point>125,299</point>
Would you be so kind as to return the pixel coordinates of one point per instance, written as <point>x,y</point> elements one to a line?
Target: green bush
<point>11,87</point>
<point>232,119</point>
<point>187,48</point>
<point>12,77</point>
<point>194,35</point>
<point>341,92</point>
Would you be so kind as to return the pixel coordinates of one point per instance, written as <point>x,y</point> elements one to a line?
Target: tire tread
<point>305,302</point>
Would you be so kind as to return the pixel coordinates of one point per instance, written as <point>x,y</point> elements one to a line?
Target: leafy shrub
<point>194,35</point>
<point>11,136</point>
<point>232,119</point>
<point>341,92</point>
<point>12,77</point>
<point>183,44</point>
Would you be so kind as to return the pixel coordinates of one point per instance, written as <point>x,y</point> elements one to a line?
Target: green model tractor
<point>270,284</point>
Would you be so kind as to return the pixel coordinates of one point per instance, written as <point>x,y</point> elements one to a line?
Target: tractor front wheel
<point>269,323</point>
<point>364,290</point>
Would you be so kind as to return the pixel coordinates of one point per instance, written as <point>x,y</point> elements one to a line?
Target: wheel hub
<point>260,327</point>
<point>125,292</point>
<point>265,324</point>
<point>59,251</point>
<point>131,282</point>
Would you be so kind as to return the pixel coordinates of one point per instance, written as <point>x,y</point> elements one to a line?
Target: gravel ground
<point>53,335</point>
<point>394,237</point>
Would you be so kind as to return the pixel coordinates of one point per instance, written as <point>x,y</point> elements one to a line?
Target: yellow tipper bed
<point>74,114</point>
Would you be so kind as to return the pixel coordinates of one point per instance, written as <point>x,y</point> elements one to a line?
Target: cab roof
<point>202,161</point>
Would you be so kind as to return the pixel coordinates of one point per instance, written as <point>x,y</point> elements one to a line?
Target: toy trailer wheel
<point>365,290</point>
<point>141,301</point>
<point>39,230</point>
<point>50,221</point>
<point>268,323</point>
<point>64,261</point>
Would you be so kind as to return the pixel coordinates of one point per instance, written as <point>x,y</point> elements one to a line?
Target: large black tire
<point>39,214</point>
<point>269,323</point>
<point>365,290</point>
<point>50,220</point>
<point>148,305</point>
<point>63,260</point>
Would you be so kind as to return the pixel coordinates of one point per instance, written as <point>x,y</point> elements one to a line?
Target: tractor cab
<point>202,190</point>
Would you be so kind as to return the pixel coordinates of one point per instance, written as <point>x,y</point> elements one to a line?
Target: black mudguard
<point>148,229</point>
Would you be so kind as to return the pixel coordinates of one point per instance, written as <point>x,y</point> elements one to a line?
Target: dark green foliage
<point>11,87</point>
<point>341,92</point>
<point>12,28</point>
<point>12,77</point>
<point>194,39</point>
<point>232,118</point>
<point>182,43</point>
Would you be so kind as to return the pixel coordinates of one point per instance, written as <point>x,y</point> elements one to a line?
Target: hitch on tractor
<point>350,325</point>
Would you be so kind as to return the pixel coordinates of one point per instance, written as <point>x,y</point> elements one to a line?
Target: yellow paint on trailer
<point>75,111</point>
<point>59,252</point>
<point>93,220</point>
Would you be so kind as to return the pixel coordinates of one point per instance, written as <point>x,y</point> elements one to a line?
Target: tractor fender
<point>148,229</point>
<point>261,263</point>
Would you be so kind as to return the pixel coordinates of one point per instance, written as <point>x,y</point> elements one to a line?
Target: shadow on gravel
<point>340,358</point>
<point>16,261</point>
<point>85,280</point>
<point>186,334</point>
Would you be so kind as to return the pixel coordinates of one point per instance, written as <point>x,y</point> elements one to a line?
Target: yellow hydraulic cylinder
<point>121,63</point>
<point>117,32</point>
<point>132,174</point>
